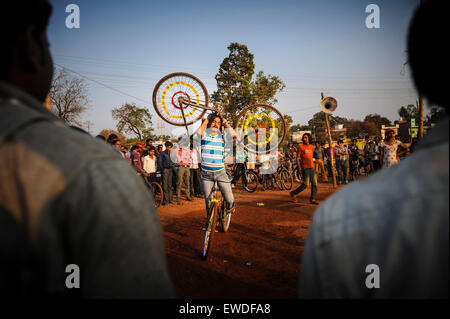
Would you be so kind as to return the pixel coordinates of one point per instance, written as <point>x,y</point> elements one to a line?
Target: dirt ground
<point>259,257</point>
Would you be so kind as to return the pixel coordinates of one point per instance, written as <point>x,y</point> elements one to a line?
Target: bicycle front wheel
<point>260,127</point>
<point>180,97</point>
<point>210,229</point>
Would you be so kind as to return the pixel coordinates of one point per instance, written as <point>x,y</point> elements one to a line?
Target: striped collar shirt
<point>213,150</point>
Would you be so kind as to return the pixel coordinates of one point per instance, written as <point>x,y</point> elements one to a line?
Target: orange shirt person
<point>305,162</point>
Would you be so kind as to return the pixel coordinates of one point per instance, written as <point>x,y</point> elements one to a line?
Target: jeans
<point>195,181</point>
<point>224,184</point>
<point>319,166</point>
<point>308,177</point>
<point>341,167</point>
<point>167,184</point>
<point>183,177</point>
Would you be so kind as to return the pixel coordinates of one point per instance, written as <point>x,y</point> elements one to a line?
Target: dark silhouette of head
<point>25,59</point>
<point>427,55</point>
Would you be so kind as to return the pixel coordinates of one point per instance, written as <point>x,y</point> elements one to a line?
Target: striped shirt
<point>213,150</point>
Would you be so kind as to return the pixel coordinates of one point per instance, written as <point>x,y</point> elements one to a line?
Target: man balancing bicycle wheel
<point>213,159</point>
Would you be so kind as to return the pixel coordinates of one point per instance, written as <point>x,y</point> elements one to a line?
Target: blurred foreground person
<point>67,200</point>
<point>387,236</point>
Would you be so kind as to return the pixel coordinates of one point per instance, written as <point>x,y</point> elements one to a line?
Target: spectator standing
<point>148,144</point>
<point>150,164</point>
<point>165,164</point>
<point>319,156</point>
<point>389,146</point>
<point>136,160</point>
<point>375,154</point>
<point>342,162</point>
<point>195,173</point>
<point>183,172</point>
<point>305,161</point>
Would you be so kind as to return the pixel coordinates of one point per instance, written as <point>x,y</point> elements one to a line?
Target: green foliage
<point>134,120</point>
<point>234,82</point>
<point>409,112</point>
<point>264,88</point>
<point>378,120</point>
<point>233,79</point>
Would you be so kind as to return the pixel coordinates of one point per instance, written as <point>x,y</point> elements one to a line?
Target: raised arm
<point>228,128</point>
<point>201,130</point>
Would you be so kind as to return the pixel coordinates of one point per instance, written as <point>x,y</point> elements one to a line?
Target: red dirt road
<point>259,257</point>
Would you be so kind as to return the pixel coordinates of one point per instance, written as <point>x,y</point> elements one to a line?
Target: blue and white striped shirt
<point>213,150</point>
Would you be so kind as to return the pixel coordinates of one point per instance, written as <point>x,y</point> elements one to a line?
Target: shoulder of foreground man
<point>85,206</point>
<point>396,219</point>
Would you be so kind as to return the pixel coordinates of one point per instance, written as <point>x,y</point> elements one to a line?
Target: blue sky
<point>312,46</point>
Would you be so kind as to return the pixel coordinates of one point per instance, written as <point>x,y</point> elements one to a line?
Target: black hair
<point>16,17</point>
<point>147,140</point>
<point>134,147</point>
<point>340,141</point>
<point>152,148</point>
<point>309,136</point>
<point>167,144</point>
<point>212,116</point>
<point>426,56</point>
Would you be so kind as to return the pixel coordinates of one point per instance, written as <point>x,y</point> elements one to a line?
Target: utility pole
<point>88,123</point>
<point>420,106</point>
<point>330,142</point>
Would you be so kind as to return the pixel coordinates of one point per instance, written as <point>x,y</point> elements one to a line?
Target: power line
<point>107,86</point>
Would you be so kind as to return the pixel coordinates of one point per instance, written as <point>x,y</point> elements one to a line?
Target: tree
<point>378,120</point>
<point>299,127</point>
<point>233,79</point>
<point>68,97</point>
<point>264,88</point>
<point>133,120</point>
<point>359,129</point>
<point>234,82</point>
<point>409,112</point>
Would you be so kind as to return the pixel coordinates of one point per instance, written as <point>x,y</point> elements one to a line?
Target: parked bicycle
<point>156,190</point>
<point>240,173</point>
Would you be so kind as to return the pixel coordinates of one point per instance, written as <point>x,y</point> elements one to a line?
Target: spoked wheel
<point>286,179</point>
<point>260,127</point>
<point>210,229</point>
<point>277,178</point>
<point>157,193</point>
<point>250,181</point>
<point>179,95</point>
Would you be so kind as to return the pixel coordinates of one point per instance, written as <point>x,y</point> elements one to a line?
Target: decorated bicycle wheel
<point>180,98</point>
<point>261,127</point>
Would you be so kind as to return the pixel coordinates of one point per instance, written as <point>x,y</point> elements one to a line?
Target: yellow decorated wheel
<point>180,99</point>
<point>261,127</point>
